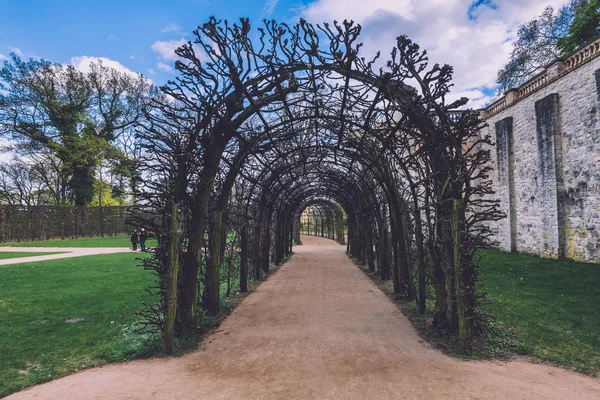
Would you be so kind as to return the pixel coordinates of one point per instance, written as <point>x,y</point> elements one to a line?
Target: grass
<point>4,255</point>
<point>552,306</point>
<point>36,300</point>
<point>543,308</point>
<point>106,241</point>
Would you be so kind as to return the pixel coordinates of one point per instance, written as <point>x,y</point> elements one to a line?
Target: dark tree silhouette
<point>252,132</point>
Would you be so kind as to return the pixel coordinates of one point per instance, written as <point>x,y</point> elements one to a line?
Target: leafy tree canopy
<point>76,116</point>
<point>585,26</point>
<point>537,43</point>
<point>103,195</point>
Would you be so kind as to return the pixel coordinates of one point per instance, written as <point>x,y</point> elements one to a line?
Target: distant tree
<point>127,169</point>
<point>537,44</point>
<point>76,116</point>
<point>585,26</point>
<point>48,168</point>
<point>109,183</point>
<point>103,195</point>
<point>20,185</point>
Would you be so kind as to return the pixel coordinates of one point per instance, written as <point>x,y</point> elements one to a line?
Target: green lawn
<point>554,306</point>
<point>106,241</point>
<point>14,254</point>
<point>36,300</point>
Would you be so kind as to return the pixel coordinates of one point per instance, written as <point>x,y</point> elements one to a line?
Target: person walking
<point>143,237</point>
<point>134,240</point>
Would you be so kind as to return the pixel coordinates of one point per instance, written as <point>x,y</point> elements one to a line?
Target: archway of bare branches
<point>259,125</point>
<point>318,215</point>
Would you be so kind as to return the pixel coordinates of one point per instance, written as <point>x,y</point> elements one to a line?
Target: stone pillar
<point>507,234</point>
<point>511,96</point>
<point>597,78</point>
<point>554,69</point>
<point>553,230</point>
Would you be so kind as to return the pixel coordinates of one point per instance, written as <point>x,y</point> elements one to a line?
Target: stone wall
<point>547,162</point>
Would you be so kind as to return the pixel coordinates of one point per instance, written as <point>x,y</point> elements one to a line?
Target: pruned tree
<point>252,132</point>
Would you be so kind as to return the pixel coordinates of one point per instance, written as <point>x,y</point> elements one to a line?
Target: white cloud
<point>268,8</point>
<point>477,97</point>
<point>477,46</point>
<point>3,57</point>
<point>82,63</point>
<point>215,48</point>
<point>171,28</point>
<point>166,49</point>
<point>151,71</point>
<point>164,67</point>
<point>17,51</point>
<point>5,156</point>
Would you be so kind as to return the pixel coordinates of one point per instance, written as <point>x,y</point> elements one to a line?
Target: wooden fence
<point>22,223</point>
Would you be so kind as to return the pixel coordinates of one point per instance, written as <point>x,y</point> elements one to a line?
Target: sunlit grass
<point>62,315</point>
<point>106,241</point>
<point>552,305</point>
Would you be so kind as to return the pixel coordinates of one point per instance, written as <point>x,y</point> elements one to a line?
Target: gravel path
<point>318,329</point>
<point>68,252</point>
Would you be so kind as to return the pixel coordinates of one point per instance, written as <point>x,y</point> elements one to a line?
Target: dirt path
<point>68,252</point>
<point>318,329</point>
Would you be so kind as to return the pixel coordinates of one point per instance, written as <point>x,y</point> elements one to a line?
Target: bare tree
<point>253,132</point>
<point>20,185</point>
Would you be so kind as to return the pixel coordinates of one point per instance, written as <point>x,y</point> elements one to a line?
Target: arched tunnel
<point>320,216</point>
<point>254,131</point>
<point>341,183</point>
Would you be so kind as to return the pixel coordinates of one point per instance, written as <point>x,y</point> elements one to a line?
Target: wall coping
<point>554,71</point>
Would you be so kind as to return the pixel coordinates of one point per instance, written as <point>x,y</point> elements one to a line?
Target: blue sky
<point>118,30</point>
<point>474,36</point>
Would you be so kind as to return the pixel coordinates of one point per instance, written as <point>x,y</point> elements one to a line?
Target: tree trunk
<point>404,267</point>
<point>447,259</point>
<point>213,270</point>
<point>420,261</point>
<point>465,336</point>
<point>279,241</point>
<point>384,266</point>
<point>244,258</point>
<point>168,332</point>
<point>258,251</point>
<point>395,258</point>
<point>370,255</point>
<point>266,246</point>
<point>188,287</point>
<point>350,233</point>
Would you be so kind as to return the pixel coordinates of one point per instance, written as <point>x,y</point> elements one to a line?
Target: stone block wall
<point>547,165</point>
